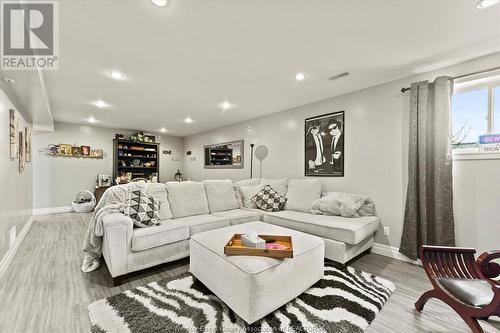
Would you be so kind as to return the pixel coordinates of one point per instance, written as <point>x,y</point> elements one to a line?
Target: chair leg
<point>419,305</point>
<point>473,324</point>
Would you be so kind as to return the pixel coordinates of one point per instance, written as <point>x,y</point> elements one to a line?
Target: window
<point>475,110</point>
<point>496,107</point>
<point>469,116</point>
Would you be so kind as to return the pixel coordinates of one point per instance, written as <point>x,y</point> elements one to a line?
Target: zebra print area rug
<point>344,300</point>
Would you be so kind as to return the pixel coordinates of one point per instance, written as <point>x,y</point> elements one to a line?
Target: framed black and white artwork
<point>324,145</point>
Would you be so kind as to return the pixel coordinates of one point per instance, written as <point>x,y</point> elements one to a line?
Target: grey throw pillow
<point>142,209</point>
<point>269,200</point>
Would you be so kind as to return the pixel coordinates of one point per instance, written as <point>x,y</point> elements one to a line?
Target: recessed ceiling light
<point>226,105</point>
<point>188,120</point>
<point>91,120</point>
<point>482,4</point>
<point>300,76</point>
<point>116,75</point>
<point>161,3</point>
<point>163,130</point>
<point>101,104</point>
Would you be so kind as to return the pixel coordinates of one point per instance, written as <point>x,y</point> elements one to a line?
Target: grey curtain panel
<point>429,197</point>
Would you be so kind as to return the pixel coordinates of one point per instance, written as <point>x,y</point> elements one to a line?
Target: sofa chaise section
<point>345,238</point>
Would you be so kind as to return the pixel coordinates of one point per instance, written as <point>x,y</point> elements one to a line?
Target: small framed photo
<point>85,151</point>
<point>104,180</point>
<point>96,153</point>
<point>65,150</point>
<point>149,138</point>
<point>53,150</point>
<point>75,151</point>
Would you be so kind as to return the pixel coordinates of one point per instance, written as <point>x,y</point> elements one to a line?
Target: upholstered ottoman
<point>256,286</point>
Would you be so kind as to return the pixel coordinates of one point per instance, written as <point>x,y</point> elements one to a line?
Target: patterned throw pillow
<point>142,209</point>
<point>269,200</point>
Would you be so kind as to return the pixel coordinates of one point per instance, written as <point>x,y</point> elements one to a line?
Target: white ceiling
<point>184,60</point>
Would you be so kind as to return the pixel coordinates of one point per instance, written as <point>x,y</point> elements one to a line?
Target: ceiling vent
<point>338,76</point>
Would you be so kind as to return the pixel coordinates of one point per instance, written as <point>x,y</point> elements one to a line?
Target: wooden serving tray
<point>234,247</point>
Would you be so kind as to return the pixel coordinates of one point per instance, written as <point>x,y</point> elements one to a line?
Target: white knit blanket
<point>112,201</point>
<point>343,204</point>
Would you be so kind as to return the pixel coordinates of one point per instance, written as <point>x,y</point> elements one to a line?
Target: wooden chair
<point>463,283</point>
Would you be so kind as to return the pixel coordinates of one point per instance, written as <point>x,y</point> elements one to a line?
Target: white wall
<point>57,179</point>
<point>477,203</point>
<point>376,142</point>
<point>16,195</point>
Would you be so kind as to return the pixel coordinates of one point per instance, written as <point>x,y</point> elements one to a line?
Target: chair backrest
<point>449,262</point>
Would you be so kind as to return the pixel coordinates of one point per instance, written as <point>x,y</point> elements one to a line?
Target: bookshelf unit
<point>140,159</point>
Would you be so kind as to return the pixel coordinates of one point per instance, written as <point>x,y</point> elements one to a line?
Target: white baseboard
<point>52,210</point>
<point>392,252</point>
<point>7,258</point>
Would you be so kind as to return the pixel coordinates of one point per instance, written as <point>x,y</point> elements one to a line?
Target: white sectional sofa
<point>189,208</point>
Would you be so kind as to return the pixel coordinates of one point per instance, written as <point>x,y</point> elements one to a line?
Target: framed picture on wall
<point>13,135</point>
<point>85,151</point>
<point>324,145</point>
<point>75,151</point>
<point>27,134</point>
<point>65,150</point>
<point>53,150</point>
<point>21,152</point>
<point>96,153</point>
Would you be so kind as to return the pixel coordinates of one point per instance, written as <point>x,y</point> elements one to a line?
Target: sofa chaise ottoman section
<point>256,286</point>
<point>342,229</point>
<point>239,216</point>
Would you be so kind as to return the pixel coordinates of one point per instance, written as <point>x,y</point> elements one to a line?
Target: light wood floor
<point>45,291</point>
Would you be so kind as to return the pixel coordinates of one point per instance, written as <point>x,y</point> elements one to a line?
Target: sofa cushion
<point>244,182</point>
<point>141,208</point>
<point>302,193</point>
<point>247,192</point>
<point>187,198</point>
<point>239,216</point>
<point>220,195</point>
<point>237,193</point>
<point>343,229</point>
<point>166,233</point>
<point>260,212</point>
<point>159,192</point>
<point>279,185</point>
<point>247,182</point>
<point>202,223</point>
<point>269,200</point>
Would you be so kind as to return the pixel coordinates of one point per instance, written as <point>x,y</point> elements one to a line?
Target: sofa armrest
<point>117,242</point>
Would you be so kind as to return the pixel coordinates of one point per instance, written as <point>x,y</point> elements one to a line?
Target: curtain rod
<point>405,89</point>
